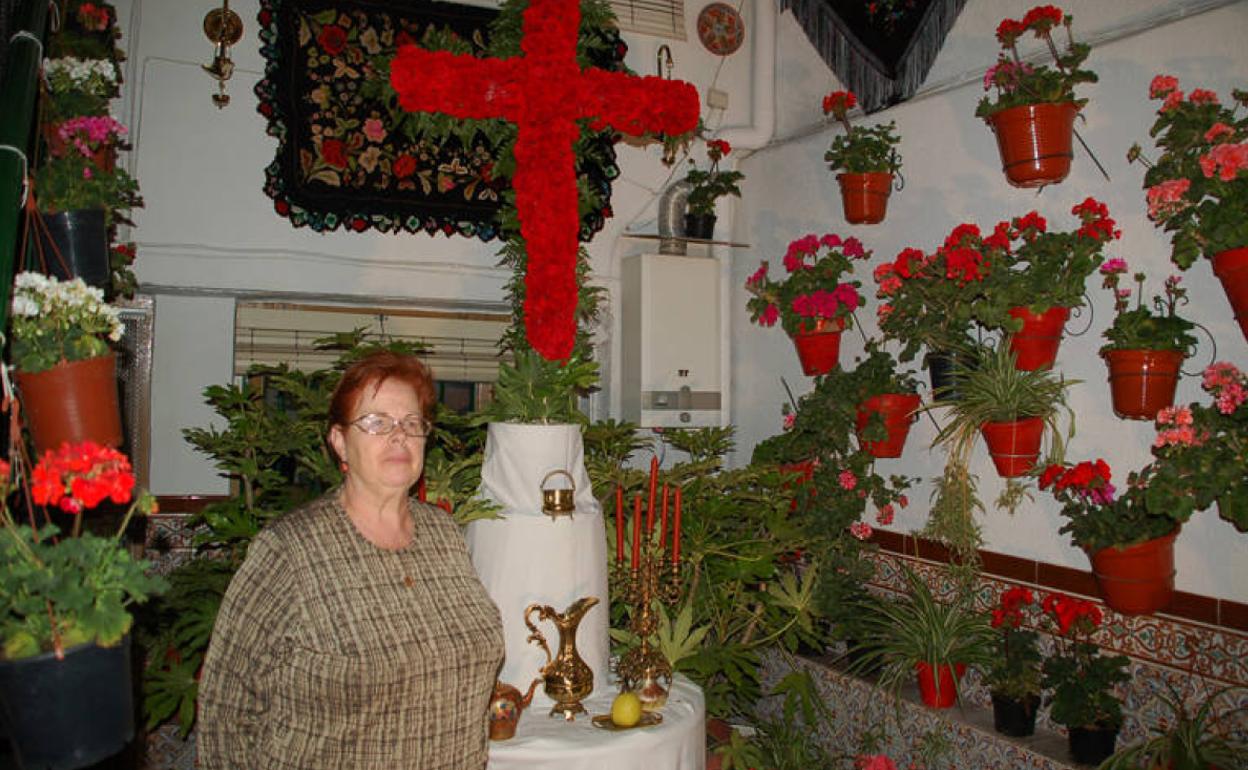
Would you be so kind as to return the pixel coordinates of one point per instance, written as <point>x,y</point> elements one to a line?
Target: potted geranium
<point>1040,277</point>
<point>1083,680</point>
<point>1146,350</point>
<point>77,87</point>
<point>1202,451</point>
<point>1129,543</point>
<point>813,304</point>
<point>1198,187</point>
<point>1014,676</point>
<point>867,160</point>
<point>707,187</point>
<point>66,370</point>
<point>1033,112</point>
<point>930,299</point>
<point>65,666</point>
<point>888,401</point>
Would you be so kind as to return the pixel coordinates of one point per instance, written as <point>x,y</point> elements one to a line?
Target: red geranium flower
<point>838,103</point>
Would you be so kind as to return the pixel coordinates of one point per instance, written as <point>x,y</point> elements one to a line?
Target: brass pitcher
<point>569,679</point>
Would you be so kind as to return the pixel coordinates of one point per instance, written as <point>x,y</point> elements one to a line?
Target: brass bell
<point>558,502</point>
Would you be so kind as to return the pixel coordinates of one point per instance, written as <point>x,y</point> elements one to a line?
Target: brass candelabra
<point>656,578</point>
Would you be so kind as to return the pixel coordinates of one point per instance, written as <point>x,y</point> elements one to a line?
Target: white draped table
<point>542,741</point>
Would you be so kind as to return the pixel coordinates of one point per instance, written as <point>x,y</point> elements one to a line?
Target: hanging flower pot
<point>1014,445</point>
<point>1035,345</point>
<point>864,197</point>
<point>1137,579</point>
<point>1092,745</point>
<point>75,245</point>
<point>1013,717</point>
<point>947,695</point>
<point>1231,267</point>
<point>1035,142</point>
<point>898,410</point>
<point>700,226</point>
<point>73,401</point>
<point>819,347</point>
<point>70,713</point>
<point>1142,382</point>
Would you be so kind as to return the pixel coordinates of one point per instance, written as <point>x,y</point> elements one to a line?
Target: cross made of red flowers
<point>545,92</point>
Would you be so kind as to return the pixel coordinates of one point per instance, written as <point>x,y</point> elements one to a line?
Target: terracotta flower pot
<point>819,348</point>
<point>73,401</point>
<point>947,695</point>
<point>1231,267</point>
<point>898,410</point>
<point>1142,382</point>
<point>1035,345</point>
<point>864,197</point>
<point>1035,142</point>
<point>1014,445</point>
<point>1138,579</point>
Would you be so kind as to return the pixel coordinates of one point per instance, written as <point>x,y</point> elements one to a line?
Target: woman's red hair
<point>374,369</point>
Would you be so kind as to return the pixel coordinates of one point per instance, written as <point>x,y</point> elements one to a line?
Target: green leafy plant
<point>1019,83</point>
<point>59,591</point>
<point>712,184</point>
<point>919,628</point>
<point>813,290</point>
<point>1081,678</point>
<point>534,390</point>
<point>73,181</point>
<point>1097,516</point>
<point>860,150</point>
<point>1201,451</point>
<point>79,87</point>
<point>1016,662</point>
<point>1197,189</point>
<point>54,321</point>
<point>1188,740</point>
<point>1139,328</point>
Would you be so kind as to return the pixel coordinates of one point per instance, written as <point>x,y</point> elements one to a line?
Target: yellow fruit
<point>626,709</point>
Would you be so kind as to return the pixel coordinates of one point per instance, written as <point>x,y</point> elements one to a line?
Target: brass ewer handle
<point>544,613</point>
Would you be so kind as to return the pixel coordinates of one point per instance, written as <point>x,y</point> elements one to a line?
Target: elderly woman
<point>356,633</point>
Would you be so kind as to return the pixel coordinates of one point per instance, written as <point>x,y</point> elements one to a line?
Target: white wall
<point>208,226</point>
<point>952,175</point>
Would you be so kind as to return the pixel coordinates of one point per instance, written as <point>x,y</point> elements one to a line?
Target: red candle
<point>663,524</point>
<point>654,480</point>
<point>676,530</point>
<point>619,523</point>
<point>637,531</point>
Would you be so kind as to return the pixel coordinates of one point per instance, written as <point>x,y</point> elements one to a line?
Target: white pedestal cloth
<point>526,558</point>
<point>679,743</point>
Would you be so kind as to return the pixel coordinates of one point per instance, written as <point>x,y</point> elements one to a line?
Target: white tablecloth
<point>542,741</point>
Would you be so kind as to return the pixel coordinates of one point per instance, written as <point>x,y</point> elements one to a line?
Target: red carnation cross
<point>545,92</point>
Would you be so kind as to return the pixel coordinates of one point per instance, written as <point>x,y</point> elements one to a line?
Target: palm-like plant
<point>1192,741</point>
<point>921,629</point>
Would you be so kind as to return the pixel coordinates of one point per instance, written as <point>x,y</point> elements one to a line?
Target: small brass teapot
<point>558,502</point>
<point>569,679</point>
<point>505,706</point>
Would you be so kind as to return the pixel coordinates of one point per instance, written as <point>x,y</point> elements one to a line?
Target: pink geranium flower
<point>860,530</point>
<point>847,479</point>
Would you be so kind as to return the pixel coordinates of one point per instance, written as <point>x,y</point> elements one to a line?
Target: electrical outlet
<point>716,99</point>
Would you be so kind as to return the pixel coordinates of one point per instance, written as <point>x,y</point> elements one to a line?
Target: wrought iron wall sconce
<point>223,28</point>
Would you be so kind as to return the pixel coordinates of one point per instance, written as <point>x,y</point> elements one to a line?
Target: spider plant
<point>1189,741</point>
<point>920,629</point>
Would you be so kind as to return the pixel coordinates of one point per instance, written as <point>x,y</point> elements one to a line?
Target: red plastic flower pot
<point>947,695</point>
<point>1142,382</point>
<point>1035,142</point>
<point>898,410</point>
<point>1138,579</point>
<point>865,196</point>
<point>1035,345</point>
<point>1231,267</point>
<point>819,348</point>
<point>1014,445</point>
<point>73,401</point>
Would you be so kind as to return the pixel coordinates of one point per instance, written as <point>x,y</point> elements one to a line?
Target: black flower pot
<point>1015,718</point>
<point>75,245</point>
<point>941,369</point>
<point>699,226</point>
<point>1092,745</point>
<point>69,713</point>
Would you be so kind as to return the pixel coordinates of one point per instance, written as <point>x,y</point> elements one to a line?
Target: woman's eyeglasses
<point>375,424</point>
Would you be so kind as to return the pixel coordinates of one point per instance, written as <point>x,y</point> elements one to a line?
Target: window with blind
<point>462,348</point>
<point>664,18</point>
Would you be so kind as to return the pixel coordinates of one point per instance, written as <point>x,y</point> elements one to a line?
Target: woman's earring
<point>342,466</point>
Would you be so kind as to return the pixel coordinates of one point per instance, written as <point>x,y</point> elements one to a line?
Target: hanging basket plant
<point>867,160</point>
